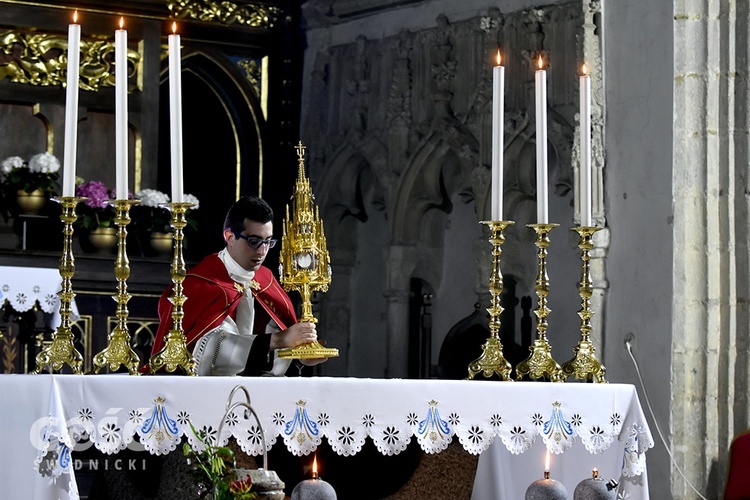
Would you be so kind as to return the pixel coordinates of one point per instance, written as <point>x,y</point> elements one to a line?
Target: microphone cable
<point>628,340</point>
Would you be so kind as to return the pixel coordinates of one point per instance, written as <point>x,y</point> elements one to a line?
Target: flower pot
<point>161,243</point>
<point>31,203</point>
<point>103,239</point>
<point>266,483</point>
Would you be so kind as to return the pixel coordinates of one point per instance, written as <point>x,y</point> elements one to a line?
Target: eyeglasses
<point>255,242</point>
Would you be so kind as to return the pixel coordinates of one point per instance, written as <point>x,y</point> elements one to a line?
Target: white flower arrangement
<point>10,163</point>
<point>152,214</point>
<point>151,197</point>
<point>44,163</point>
<point>41,172</point>
<point>189,198</point>
<point>154,198</point>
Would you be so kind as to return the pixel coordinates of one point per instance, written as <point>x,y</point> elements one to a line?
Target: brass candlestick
<point>540,364</point>
<point>492,359</point>
<point>305,265</point>
<point>62,351</point>
<point>118,351</point>
<point>584,365</point>
<point>175,353</point>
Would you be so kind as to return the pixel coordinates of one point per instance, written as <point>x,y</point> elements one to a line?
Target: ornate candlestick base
<point>492,360</point>
<point>175,354</point>
<point>584,365</point>
<point>118,351</point>
<point>540,363</point>
<point>62,351</point>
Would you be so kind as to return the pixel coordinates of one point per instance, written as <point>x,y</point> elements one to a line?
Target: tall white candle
<point>175,114</point>
<point>121,111</point>
<point>498,104</point>
<point>71,108</point>
<point>542,203</point>
<point>585,147</point>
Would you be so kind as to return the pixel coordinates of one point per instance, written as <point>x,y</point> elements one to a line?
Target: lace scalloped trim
<point>161,427</point>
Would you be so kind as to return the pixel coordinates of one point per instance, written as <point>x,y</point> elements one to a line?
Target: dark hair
<point>247,207</point>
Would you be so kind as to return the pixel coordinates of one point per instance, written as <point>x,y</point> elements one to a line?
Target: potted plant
<point>96,216</point>
<point>28,184</point>
<point>152,219</point>
<point>215,470</point>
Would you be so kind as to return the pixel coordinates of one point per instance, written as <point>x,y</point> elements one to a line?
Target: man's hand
<point>299,333</point>
<point>312,361</point>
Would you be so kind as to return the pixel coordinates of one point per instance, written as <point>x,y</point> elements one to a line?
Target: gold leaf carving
<point>253,73</point>
<point>252,15</point>
<point>41,59</point>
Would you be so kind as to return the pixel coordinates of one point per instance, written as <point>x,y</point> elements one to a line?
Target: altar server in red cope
<point>236,313</point>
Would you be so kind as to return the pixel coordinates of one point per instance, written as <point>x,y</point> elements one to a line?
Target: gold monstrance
<point>304,265</point>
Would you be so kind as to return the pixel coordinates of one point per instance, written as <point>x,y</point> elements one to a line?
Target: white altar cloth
<point>44,417</point>
<point>25,287</point>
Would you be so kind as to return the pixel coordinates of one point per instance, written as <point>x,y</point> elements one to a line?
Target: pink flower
<point>95,192</point>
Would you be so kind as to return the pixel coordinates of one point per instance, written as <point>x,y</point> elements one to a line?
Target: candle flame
<point>75,16</point>
<point>584,69</point>
<point>540,62</point>
<point>546,463</point>
<point>174,27</point>
<point>499,57</point>
<point>315,466</point>
<point>122,22</point>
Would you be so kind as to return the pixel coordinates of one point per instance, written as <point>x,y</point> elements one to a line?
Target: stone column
<point>400,266</point>
<point>711,233</point>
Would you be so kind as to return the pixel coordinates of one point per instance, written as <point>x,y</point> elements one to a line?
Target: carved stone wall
<point>398,128</point>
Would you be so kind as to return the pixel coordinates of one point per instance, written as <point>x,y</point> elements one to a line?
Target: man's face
<point>248,257</point>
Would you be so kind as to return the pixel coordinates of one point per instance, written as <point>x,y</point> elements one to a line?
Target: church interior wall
<point>636,203</point>
<point>639,61</point>
<point>395,114</point>
<point>387,94</point>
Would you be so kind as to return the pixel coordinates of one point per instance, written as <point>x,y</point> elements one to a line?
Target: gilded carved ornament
<point>253,73</point>
<point>248,14</point>
<point>41,59</point>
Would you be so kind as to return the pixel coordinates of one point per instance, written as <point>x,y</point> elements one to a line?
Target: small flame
<point>546,463</point>
<point>595,473</point>
<point>315,467</point>
<point>122,22</point>
<point>499,57</point>
<point>540,62</point>
<point>584,69</point>
<point>174,27</point>
<point>75,16</point>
